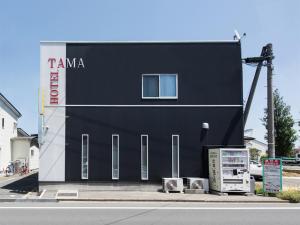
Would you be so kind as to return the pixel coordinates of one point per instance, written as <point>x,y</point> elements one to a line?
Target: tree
<point>254,153</point>
<point>285,134</point>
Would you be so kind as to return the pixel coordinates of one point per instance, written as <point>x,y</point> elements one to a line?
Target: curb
<point>53,200</point>
<point>167,200</point>
<point>27,200</point>
<point>37,200</point>
<point>7,200</point>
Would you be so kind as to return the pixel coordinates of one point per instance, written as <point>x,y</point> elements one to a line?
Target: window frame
<point>159,96</point>
<point>178,159</point>
<point>87,153</point>
<point>147,139</point>
<point>112,156</point>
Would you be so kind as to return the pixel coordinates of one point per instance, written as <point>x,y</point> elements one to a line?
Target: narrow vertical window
<point>2,123</point>
<point>175,155</point>
<point>144,157</point>
<point>85,157</point>
<point>115,156</point>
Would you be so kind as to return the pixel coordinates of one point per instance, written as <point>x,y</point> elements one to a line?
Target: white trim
<point>143,106</point>
<point>87,152</point>
<point>112,157</point>
<point>159,75</point>
<point>145,42</point>
<point>159,96</point>
<point>176,135</point>
<point>144,135</point>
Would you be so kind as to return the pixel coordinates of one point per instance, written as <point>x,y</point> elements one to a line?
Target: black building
<point>135,111</point>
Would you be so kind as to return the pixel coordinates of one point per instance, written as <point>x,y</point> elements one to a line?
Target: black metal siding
<point>208,73</point>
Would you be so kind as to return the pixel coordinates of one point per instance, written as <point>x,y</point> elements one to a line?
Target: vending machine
<point>229,170</point>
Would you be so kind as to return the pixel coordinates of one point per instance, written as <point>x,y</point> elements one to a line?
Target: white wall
<point>52,132</point>
<point>20,148</point>
<point>6,134</point>
<point>262,147</point>
<point>34,159</point>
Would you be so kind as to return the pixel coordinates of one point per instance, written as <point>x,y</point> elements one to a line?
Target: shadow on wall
<point>26,184</point>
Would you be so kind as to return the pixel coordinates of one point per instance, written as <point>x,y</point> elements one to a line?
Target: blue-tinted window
<point>160,86</point>
<point>168,85</point>
<point>150,86</point>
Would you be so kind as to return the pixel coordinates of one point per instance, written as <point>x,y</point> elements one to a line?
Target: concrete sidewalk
<point>138,196</point>
<point>122,193</point>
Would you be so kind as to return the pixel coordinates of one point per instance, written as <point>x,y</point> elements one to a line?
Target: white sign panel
<point>272,175</point>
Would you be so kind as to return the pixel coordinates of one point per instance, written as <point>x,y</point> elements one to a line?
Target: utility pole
<point>260,61</point>
<point>270,119</point>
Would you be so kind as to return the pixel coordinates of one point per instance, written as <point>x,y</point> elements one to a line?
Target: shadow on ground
<point>23,185</point>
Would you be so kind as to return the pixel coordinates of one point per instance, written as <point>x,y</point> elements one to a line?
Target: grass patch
<point>290,195</point>
<point>259,189</point>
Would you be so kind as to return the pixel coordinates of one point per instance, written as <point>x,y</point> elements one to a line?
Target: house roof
<point>22,133</point>
<point>10,106</point>
<point>247,138</point>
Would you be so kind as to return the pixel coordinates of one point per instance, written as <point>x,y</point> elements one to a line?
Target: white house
<point>24,148</point>
<point>9,116</point>
<point>15,143</point>
<point>251,142</point>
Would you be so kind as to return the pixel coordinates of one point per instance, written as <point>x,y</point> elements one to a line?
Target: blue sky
<point>23,24</point>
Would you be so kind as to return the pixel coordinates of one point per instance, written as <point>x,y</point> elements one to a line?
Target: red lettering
<point>53,100</point>
<point>54,93</point>
<point>51,60</point>
<point>61,63</point>
<point>53,85</point>
<point>53,76</point>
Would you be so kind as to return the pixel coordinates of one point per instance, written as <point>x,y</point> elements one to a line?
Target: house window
<point>2,123</point>
<point>85,157</point>
<point>175,156</point>
<point>32,153</point>
<point>144,157</point>
<point>159,86</point>
<point>115,156</point>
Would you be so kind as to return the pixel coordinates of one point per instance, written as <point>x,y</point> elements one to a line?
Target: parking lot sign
<point>272,175</point>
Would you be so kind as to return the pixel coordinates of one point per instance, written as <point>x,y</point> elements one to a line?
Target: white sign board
<point>272,175</point>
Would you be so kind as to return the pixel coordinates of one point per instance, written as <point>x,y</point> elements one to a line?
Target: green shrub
<point>290,195</point>
<point>259,190</point>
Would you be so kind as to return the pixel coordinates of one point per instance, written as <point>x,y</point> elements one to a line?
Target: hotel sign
<point>55,64</point>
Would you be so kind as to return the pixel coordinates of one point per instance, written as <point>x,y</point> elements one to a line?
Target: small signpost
<point>272,175</point>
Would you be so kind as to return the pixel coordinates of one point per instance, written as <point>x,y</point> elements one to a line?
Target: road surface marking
<point>41,195</point>
<point>25,196</point>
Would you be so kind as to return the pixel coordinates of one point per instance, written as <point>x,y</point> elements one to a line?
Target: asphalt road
<point>291,182</point>
<point>148,213</point>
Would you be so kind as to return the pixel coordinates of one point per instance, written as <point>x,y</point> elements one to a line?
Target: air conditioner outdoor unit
<point>172,184</point>
<point>197,183</point>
